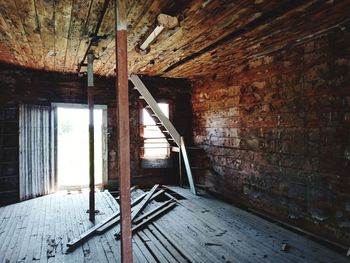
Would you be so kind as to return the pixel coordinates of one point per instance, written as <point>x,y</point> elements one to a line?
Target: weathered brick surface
<point>277,133</point>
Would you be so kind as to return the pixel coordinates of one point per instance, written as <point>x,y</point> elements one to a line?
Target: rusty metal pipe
<point>90,77</point>
<point>123,130</point>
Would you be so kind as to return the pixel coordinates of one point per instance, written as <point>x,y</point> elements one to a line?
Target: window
<point>155,145</point>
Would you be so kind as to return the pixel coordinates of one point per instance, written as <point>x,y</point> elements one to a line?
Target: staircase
<point>164,124</point>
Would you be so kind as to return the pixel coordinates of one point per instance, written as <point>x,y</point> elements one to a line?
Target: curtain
<point>36,151</point>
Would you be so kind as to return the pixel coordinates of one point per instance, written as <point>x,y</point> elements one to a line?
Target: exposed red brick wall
<point>277,133</point>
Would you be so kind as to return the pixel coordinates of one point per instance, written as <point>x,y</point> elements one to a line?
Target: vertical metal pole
<point>90,60</point>
<point>123,130</point>
<point>180,165</point>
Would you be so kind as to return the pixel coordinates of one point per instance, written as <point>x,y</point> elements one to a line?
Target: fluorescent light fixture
<point>151,37</point>
<point>163,22</point>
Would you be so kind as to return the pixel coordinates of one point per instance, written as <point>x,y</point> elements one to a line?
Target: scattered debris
<point>221,233</point>
<point>212,244</point>
<point>139,221</point>
<point>285,247</point>
<point>150,216</point>
<point>52,246</point>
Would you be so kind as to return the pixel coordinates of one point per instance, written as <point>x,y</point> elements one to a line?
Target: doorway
<point>73,146</point>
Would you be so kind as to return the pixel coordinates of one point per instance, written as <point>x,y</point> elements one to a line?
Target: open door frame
<point>104,109</point>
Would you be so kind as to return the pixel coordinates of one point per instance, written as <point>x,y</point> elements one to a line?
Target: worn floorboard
<point>198,229</point>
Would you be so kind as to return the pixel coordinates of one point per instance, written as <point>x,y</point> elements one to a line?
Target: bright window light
<point>155,145</point>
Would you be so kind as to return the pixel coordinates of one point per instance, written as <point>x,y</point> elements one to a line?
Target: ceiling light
<point>163,22</point>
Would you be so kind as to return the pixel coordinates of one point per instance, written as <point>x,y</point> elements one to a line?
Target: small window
<point>155,145</point>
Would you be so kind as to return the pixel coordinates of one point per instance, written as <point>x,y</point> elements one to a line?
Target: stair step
<point>175,149</point>
<point>141,98</point>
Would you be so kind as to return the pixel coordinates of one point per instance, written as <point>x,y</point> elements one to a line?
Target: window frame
<point>141,130</point>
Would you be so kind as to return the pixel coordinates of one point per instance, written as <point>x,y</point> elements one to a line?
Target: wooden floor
<point>198,229</point>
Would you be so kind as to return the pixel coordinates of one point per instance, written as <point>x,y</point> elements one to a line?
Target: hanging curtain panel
<point>37,151</point>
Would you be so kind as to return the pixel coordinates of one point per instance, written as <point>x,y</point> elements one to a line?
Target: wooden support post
<point>91,137</point>
<point>123,129</point>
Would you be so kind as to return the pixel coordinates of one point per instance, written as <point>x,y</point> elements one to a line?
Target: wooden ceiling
<point>213,35</point>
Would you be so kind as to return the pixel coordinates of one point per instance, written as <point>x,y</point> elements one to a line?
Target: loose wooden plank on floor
<point>165,242</point>
<point>170,258</point>
<point>152,247</point>
<point>145,252</point>
<point>105,211</point>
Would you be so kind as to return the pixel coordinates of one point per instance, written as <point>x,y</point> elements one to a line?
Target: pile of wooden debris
<point>139,217</point>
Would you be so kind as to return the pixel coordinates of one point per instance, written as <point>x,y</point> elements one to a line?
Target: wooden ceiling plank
<point>105,57</point>
<point>79,15</point>
<point>6,54</point>
<point>276,34</point>
<point>89,28</point>
<point>140,18</point>
<point>191,27</point>
<point>134,13</point>
<point>108,55</point>
<point>106,30</point>
<point>284,38</point>
<point>255,14</point>
<point>203,31</point>
<point>63,17</point>
<point>13,25</point>
<point>54,34</point>
<point>22,14</point>
<point>27,12</point>
<point>146,19</point>
<point>46,25</point>
<point>11,43</point>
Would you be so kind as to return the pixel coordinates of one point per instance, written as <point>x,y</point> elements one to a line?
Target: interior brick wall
<point>276,132</point>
